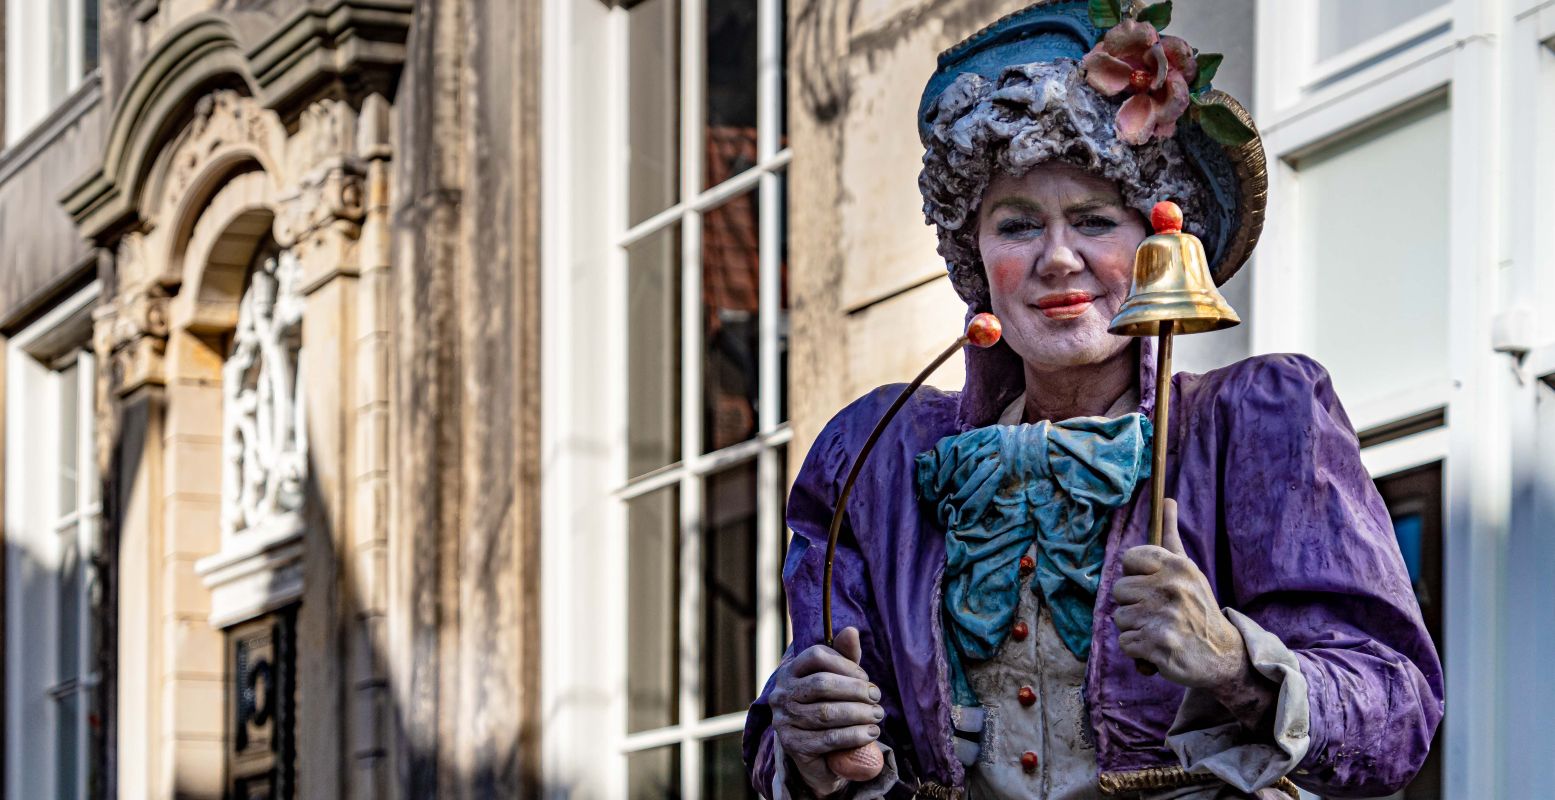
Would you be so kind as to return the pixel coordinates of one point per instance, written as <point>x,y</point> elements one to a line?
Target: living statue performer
<point>994,589</point>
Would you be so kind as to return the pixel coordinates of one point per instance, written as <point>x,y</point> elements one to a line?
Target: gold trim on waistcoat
<point>1116,783</point>
<point>1145,780</point>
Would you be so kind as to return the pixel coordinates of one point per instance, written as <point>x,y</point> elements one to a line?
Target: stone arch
<point>200,55</point>
<point>214,259</point>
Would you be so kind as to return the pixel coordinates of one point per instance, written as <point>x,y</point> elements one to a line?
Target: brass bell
<point>1172,283</point>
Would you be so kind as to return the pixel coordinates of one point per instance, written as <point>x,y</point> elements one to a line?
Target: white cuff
<point>1208,739</point>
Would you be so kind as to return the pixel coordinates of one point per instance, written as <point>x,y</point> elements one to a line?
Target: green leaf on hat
<point>1221,123</point>
<point>1209,64</point>
<point>1159,15</point>
<point>1105,13</point>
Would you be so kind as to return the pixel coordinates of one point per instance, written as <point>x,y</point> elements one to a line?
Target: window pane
<point>1414,500</point>
<point>653,352</point>
<point>68,410</point>
<point>730,295</point>
<point>67,756</point>
<point>69,587</point>
<point>654,774</point>
<point>652,610</point>
<point>731,89</point>
<point>1374,241</point>
<point>87,471</point>
<point>782,59</point>
<point>59,52</point>
<point>653,97</point>
<point>1343,24</point>
<point>783,323</point>
<point>785,629</point>
<point>729,590</point>
<point>723,770</point>
<point>88,37</point>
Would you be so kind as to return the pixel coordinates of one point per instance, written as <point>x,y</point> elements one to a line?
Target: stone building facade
<point>399,396</point>
<point>303,273</point>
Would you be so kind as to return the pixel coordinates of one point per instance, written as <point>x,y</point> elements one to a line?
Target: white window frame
<point>33,521</point>
<point>1495,59</point>
<point>35,83</point>
<point>584,392</point>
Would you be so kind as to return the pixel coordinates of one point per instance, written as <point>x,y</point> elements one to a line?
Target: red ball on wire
<point>984,330</point>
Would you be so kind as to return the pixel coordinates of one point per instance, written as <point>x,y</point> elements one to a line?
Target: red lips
<point>1064,305</point>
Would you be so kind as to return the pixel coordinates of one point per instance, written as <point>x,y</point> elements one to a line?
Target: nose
<point>1058,258</point>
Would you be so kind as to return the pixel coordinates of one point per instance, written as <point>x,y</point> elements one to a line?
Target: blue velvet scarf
<point>996,490</point>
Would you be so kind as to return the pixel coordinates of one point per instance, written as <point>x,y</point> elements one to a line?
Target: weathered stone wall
<point>465,429</point>
<point>43,253</point>
<point>871,304</point>
<point>409,199</point>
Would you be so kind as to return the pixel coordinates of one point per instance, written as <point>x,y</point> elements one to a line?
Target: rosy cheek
<point>1005,273</point>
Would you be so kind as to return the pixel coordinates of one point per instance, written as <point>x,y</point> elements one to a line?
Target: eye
<point>1095,223</point>
<point>1016,226</point>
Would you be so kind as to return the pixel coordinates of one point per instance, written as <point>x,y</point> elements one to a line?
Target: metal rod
<point>1163,402</point>
<point>853,472</point>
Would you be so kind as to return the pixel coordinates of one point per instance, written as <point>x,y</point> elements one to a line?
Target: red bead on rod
<point>1166,217</point>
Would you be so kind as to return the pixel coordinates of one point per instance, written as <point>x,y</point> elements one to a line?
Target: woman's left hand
<point>1168,615</point>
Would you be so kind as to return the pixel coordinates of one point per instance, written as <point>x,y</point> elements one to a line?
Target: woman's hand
<point>1167,615</point>
<point>823,704</point>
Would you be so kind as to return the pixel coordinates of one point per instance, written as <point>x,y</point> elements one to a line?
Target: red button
<point>1020,631</point>
<point>1028,760</point>
<point>1028,564</point>
<point>1026,695</point>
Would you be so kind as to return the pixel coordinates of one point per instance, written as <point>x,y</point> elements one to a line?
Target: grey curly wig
<point>1036,113</point>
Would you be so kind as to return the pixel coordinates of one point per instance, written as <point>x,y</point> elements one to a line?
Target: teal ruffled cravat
<point>996,490</point>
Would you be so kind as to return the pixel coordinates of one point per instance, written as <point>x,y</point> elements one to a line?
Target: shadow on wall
<point>341,642</point>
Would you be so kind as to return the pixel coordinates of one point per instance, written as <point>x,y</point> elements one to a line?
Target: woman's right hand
<point>823,703</point>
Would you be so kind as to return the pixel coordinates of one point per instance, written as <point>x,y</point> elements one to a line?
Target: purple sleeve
<point>1313,559</point>
<point>810,505</point>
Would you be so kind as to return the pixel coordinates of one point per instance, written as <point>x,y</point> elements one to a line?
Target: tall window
<point>50,47</point>
<point>53,511</point>
<point>1369,266</point>
<point>702,259</point>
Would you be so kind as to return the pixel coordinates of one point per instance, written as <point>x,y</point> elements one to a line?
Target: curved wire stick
<point>858,464</point>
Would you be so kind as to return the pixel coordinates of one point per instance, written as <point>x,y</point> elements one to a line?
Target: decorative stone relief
<point>264,451</point>
<point>265,441</point>
<point>221,119</point>
<point>325,197</point>
<point>131,331</point>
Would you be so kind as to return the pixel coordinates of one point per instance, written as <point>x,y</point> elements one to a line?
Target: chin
<point>1062,349</point>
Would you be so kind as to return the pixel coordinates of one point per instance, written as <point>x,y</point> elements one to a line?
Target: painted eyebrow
<point>1022,204</point>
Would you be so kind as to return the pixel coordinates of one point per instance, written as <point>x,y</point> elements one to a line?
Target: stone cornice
<point>357,43</point>
<point>360,42</point>
<point>198,54</point>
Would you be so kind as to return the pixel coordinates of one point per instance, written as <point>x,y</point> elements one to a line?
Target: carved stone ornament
<point>265,439</point>
<point>131,334</point>
<point>221,119</point>
<point>264,451</point>
<point>327,196</point>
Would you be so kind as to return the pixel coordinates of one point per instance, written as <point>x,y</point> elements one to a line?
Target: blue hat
<point>1044,31</point>
<point>1049,30</point>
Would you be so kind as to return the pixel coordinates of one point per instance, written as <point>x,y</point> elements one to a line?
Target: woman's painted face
<point>1058,245</point>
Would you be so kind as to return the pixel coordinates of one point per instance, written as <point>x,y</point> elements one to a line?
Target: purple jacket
<point>1273,504</point>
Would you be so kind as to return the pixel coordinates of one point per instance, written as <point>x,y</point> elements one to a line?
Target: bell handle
<point>1163,402</point>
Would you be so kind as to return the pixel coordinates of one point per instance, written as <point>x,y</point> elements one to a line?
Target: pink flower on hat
<point>1157,70</point>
